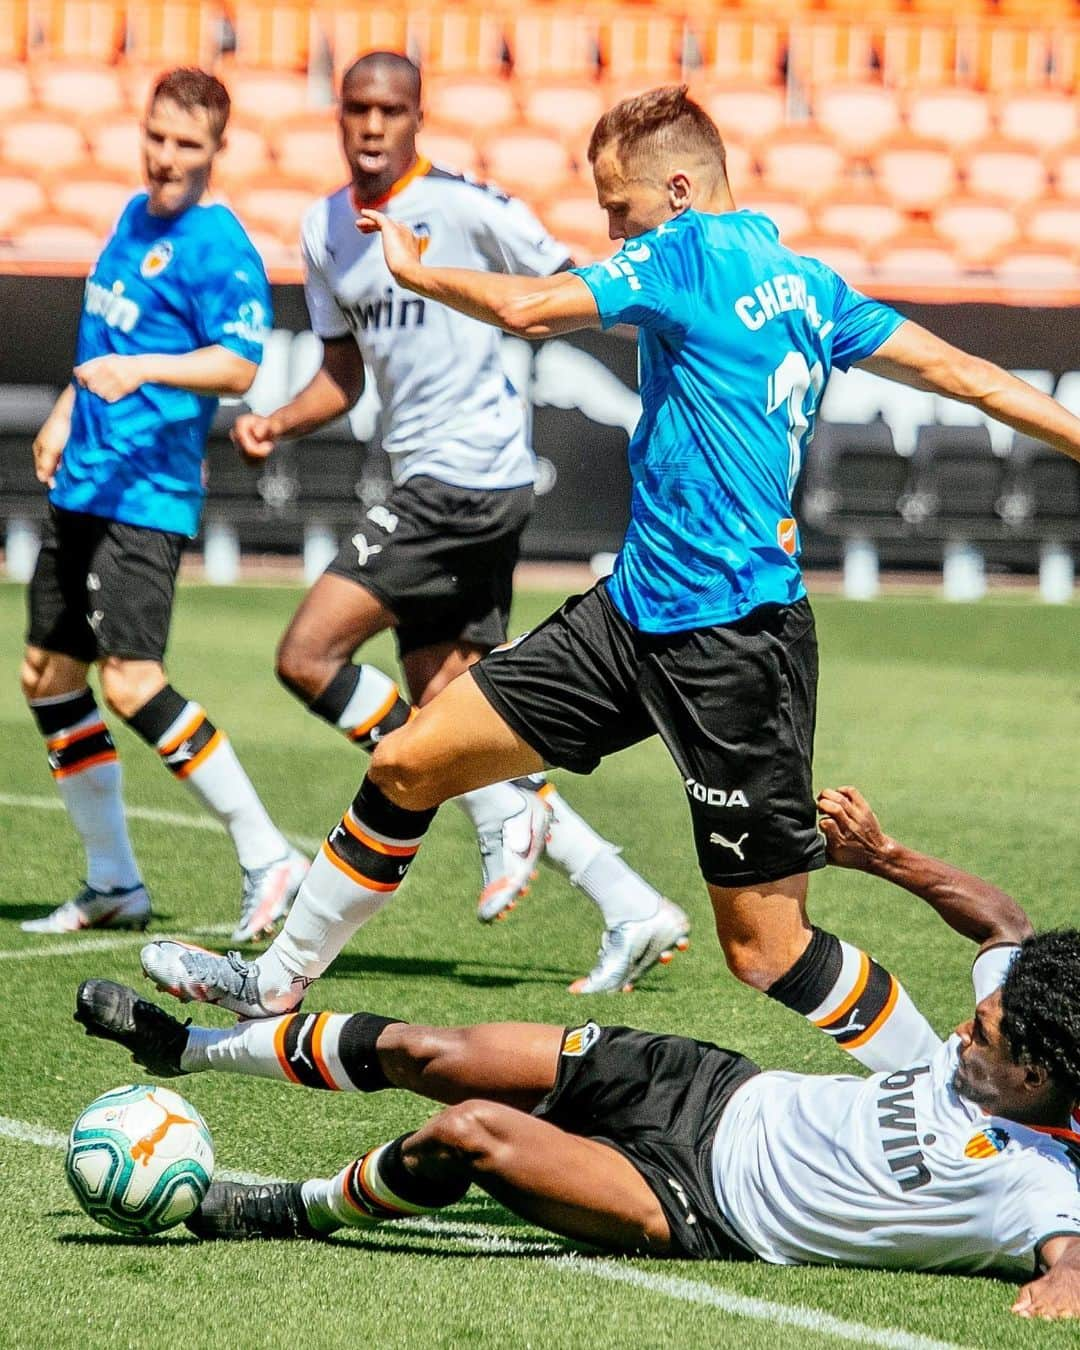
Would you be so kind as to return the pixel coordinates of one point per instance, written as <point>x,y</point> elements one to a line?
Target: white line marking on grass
<point>76,946</point>
<point>485,1238</point>
<point>182,820</point>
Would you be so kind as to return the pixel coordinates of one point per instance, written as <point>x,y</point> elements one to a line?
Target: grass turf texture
<point>960,724</point>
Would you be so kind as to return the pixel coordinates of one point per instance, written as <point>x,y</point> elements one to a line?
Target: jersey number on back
<point>788,386</point>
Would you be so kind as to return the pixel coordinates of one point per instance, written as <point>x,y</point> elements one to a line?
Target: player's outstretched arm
<point>971,906</point>
<point>211,371</point>
<point>914,356</point>
<point>330,392</point>
<point>528,306</point>
<point>1057,1293</point>
<point>50,441</point>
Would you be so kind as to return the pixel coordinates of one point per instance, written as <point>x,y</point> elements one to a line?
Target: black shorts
<point>734,704</point>
<point>442,559</point>
<point>657,1100</point>
<point>102,588</point>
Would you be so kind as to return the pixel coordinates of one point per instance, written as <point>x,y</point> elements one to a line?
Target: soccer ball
<point>140,1159</point>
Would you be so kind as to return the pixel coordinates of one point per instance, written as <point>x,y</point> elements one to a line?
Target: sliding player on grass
<point>435,561</point>
<point>703,635</point>
<point>958,1159</point>
<point>175,314</point>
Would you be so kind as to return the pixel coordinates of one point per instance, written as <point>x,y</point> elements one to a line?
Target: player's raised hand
<point>111,377</point>
<point>853,834</point>
<point>401,247</point>
<point>254,437</point>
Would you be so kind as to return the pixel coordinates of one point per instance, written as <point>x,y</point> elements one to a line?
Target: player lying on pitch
<point>666,1146</point>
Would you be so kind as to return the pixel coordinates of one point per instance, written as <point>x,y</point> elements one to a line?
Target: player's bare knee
<point>415,1048</point>
<point>32,674</point>
<point>471,1130</point>
<point>301,670</point>
<point>398,769</point>
<point>750,963</point>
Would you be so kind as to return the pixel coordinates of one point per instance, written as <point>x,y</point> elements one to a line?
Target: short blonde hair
<point>657,125</point>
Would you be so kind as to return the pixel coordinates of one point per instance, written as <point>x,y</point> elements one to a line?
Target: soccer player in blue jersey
<point>174,315</point>
<point>703,634</point>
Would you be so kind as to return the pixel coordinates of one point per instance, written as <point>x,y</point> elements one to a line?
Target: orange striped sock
<point>849,996</point>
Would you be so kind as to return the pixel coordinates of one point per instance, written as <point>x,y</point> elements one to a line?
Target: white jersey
<point>448,409</point>
<point>895,1170</point>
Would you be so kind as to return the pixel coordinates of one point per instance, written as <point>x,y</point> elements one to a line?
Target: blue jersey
<point>737,336</point>
<point>163,286</point>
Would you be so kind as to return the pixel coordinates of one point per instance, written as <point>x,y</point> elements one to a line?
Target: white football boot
<point>194,975</point>
<point>508,857</point>
<point>629,949</point>
<point>122,907</point>
<point>267,894</point>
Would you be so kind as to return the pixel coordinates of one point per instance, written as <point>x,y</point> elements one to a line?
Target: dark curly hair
<point>1040,1006</point>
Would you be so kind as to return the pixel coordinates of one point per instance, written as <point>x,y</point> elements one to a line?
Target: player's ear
<point>680,191</point>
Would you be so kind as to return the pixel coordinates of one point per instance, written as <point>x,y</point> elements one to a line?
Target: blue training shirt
<point>737,336</point>
<point>163,286</point>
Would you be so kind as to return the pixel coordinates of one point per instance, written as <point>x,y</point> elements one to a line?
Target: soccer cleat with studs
<point>231,1211</point>
<point>267,894</point>
<point>122,907</point>
<point>508,858</point>
<point>194,975</point>
<point>630,949</point>
<point>116,1013</point>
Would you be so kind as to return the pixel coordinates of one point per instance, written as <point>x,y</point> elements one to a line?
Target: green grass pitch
<point>960,723</point>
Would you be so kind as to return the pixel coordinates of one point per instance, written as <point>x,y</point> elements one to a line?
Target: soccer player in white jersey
<point>435,562</point>
<point>960,1160</point>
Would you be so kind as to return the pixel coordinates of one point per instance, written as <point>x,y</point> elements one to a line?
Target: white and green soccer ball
<point>140,1159</point>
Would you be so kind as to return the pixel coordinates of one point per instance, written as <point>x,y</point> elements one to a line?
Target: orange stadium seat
<point>272,33</point>
<point>275,205</point>
<point>527,163</point>
<point>20,195</point>
<point>646,45</point>
<point>736,49</point>
<point>471,105</point>
<point>830,53</point>
<point>1025,265</point>
<point>116,143</point>
<point>860,214</point>
<point>553,43</point>
<point>976,229</point>
<point>916,53</point>
<point>956,116</point>
<point>266,95</point>
<point>1052,221</point>
<point>844,255</point>
<point>449,149</point>
<point>87,194</point>
<point>246,157</point>
<point>163,33</point>
<point>857,116</point>
<point>786,209</point>
<point>1044,117</point>
<point>15,92</point>
<point>1000,170</point>
<point>1037,11</point>
<point>42,142</point>
<point>569,109</point>
<point>87,90</point>
<point>915,261</point>
<point>915,174</point>
<point>802,157</point>
<point>576,220</point>
<point>350,29</point>
<point>80,30</point>
<point>308,150</point>
<point>458,40</point>
<point>14,29</point>
<point>751,112</point>
<point>274,252</point>
<point>1066,169</point>
<point>49,236</point>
